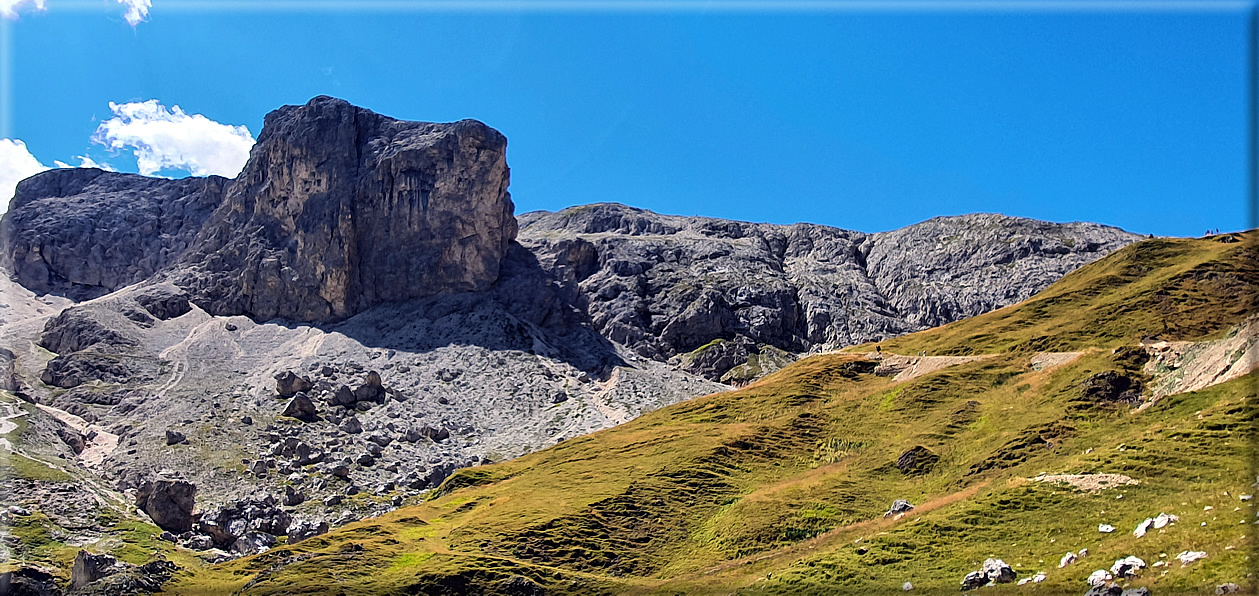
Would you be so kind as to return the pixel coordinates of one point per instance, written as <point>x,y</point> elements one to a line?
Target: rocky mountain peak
<point>340,209</point>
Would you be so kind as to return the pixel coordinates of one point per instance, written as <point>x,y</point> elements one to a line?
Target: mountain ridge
<point>265,357</point>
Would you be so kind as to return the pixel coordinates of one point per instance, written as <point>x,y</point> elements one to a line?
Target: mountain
<point>1015,464</point>
<point>358,315</point>
<point>725,297</point>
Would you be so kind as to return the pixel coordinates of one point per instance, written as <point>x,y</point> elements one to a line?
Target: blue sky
<point>1130,114</point>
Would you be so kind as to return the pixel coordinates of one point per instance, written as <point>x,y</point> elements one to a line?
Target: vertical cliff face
<point>340,209</point>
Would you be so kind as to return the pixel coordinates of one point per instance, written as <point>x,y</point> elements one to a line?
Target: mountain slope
<point>721,296</point>
<point>781,487</point>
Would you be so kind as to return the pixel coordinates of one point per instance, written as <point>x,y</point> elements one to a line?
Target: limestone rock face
<point>669,286</point>
<point>340,209</point>
<point>84,232</point>
<point>950,268</point>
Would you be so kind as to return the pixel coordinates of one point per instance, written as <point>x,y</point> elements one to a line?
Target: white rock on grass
<point>907,587</point>
<point>1165,519</point>
<point>1127,566</point>
<point>1189,556</point>
<point>1143,527</point>
<point>1067,559</point>
<point>1099,578</point>
<point>1039,577</point>
<point>1105,528</point>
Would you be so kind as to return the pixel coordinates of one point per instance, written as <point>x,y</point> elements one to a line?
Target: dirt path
<point>1048,360</point>
<point>600,401</point>
<point>98,442</point>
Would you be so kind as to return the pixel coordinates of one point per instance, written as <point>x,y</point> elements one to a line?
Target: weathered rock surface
<point>667,286</point>
<point>423,336</point>
<point>169,503</point>
<point>84,232</point>
<point>89,568</point>
<point>340,209</point>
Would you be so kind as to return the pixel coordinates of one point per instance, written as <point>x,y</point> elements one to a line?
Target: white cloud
<point>8,8</point>
<point>137,10</point>
<point>85,162</point>
<point>164,138</point>
<point>16,164</point>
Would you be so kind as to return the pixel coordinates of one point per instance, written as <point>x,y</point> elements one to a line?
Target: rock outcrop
<point>340,209</point>
<point>669,286</point>
<point>84,232</point>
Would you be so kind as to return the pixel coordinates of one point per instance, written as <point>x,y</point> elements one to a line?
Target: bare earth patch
<point>1088,482</point>
<point>1047,360</point>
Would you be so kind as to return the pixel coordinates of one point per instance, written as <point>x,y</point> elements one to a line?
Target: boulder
<point>351,425</point>
<point>303,528</point>
<point>519,585</point>
<point>435,434</point>
<point>301,408</point>
<point>197,542</point>
<point>973,581</point>
<point>899,506</point>
<point>288,384</point>
<point>998,572</point>
<point>252,543</point>
<point>174,437</point>
<point>168,502</point>
<point>1127,567</point>
<point>292,498</point>
<point>1099,578</point>
<point>343,396</point>
<point>88,568</point>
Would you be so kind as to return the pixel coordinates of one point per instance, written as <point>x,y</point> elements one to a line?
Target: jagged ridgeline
<point>359,314</point>
<point>1016,445</point>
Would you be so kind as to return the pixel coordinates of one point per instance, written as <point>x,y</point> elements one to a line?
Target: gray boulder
<point>973,581</point>
<point>88,568</point>
<point>168,502</point>
<point>351,425</point>
<point>301,408</point>
<point>288,384</point>
<point>303,528</point>
<point>998,572</point>
<point>899,506</point>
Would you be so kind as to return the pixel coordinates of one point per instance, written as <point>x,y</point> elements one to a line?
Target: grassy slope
<point>769,488</point>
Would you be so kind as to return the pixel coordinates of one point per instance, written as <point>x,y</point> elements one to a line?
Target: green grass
<point>780,487</point>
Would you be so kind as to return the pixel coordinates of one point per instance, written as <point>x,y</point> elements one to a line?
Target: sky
<point>863,115</point>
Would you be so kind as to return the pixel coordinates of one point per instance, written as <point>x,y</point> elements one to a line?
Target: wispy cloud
<point>85,162</point>
<point>170,139</point>
<point>137,10</point>
<point>16,164</point>
<point>9,8</point>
